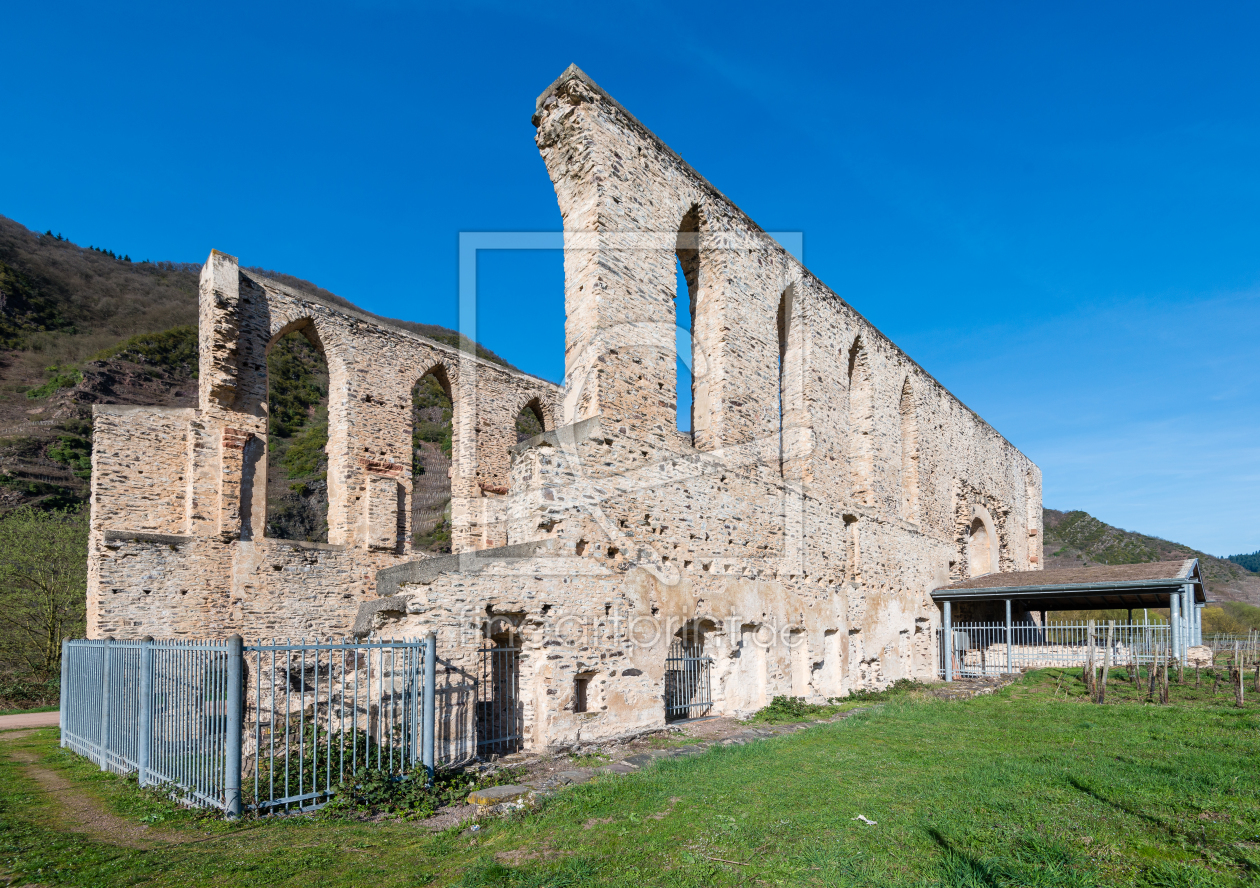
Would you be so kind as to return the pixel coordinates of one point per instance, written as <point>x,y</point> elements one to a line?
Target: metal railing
<point>1224,641</point>
<point>990,649</point>
<point>688,687</point>
<point>289,720</point>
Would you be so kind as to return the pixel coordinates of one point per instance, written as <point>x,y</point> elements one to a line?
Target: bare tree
<point>43,588</point>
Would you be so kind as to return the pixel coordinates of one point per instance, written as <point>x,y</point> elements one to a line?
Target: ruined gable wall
<point>624,195</point>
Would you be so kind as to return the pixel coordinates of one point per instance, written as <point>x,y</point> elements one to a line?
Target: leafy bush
<point>28,693</point>
<point>902,687</point>
<point>373,790</point>
<point>791,709</point>
<point>794,709</point>
<point>73,451</point>
<point>62,377</point>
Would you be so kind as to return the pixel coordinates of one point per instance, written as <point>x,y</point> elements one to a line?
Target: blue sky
<point>1055,211</point>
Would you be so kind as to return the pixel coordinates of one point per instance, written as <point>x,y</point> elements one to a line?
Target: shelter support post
<point>949,643</point>
<point>1198,623</point>
<point>1174,623</point>
<point>1187,618</point>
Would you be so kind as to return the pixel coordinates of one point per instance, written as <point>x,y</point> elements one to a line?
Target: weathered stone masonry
<point>827,485</point>
<point>196,478</point>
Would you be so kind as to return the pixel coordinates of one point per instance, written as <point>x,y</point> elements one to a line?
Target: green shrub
<point>73,451</point>
<point>62,377</point>
<point>28,693</point>
<point>373,790</point>
<point>794,709</point>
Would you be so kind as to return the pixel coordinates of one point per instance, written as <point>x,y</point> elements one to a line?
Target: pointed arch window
<point>790,382</point>
<point>686,292</point>
<point>297,437</point>
<point>861,424</point>
<point>432,429</point>
<point>909,454</point>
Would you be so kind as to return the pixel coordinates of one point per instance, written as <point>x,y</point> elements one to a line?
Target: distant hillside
<point>1077,538</point>
<point>88,325</point>
<point>1251,562</point>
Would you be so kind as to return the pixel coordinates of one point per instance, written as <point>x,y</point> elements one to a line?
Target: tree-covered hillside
<point>1078,538</point>
<point>87,325</point>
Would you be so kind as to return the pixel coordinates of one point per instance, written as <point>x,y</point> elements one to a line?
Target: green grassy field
<point>1028,787</point>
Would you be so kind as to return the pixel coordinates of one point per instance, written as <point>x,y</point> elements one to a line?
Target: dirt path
<point>29,720</point>
<point>79,812</point>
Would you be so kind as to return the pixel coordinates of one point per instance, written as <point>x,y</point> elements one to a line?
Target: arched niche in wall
<point>432,447</point>
<point>982,543</point>
<point>297,477</point>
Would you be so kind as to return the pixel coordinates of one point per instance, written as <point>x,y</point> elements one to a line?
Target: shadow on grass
<point>1033,862</point>
<point>1124,808</point>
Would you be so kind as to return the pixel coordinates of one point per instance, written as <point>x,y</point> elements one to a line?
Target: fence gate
<point>499,716</point>
<point>688,691</point>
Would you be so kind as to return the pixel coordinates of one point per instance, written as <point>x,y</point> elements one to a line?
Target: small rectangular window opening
<point>580,685</point>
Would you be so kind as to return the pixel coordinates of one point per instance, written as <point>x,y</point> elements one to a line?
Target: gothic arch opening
<point>686,293</point>
<point>861,424</point>
<point>980,549</point>
<point>530,421</point>
<point>789,370</point>
<point>432,430</point>
<point>909,454</point>
<point>297,437</point>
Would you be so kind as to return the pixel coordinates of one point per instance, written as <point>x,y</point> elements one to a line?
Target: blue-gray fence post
<point>65,679</point>
<point>430,706</point>
<point>1010,667</point>
<point>949,644</point>
<point>144,727</point>
<point>235,693</point>
<point>104,740</point>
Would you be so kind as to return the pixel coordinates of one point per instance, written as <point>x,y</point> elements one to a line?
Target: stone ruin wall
<point>805,553</point>
<point>802,549</point>
<point>179,495</point>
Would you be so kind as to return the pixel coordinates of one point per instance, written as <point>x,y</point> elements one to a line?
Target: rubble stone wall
<point>792,531</point>
<point>825,485</point>
<point>200,474</point>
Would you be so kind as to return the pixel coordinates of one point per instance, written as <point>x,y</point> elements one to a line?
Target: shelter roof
<point>1097,586</point>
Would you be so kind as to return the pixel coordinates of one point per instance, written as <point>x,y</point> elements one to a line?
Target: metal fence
<point>261,726</point>
<point>990,649</point>
<point>1222,641</point>
<point>688,687</point>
